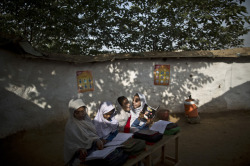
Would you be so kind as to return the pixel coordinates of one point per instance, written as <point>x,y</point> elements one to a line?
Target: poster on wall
<point>161,74</point>
<point>84,81</point>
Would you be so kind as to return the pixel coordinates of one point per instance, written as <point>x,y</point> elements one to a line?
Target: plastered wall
<point>35,92</point>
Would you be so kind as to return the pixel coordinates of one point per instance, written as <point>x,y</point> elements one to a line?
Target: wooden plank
<point>170,158</point>
<point>163,154</point>
<point>151,149</point>
<point>227,53</point>
<point>176,149</point>
<point>138,158</point>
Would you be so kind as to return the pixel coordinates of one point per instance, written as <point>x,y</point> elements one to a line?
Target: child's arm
<point>111,136</point>
<point>149,121</point>
<point>144,126</point>
<point>82,154</point>
<point>99,144</point>
<point>137,125</point>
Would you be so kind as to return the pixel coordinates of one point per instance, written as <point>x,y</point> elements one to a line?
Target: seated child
<point>123,114</point>
<point>105,123</point>
<point>139,101</point>
<point>80,134</point>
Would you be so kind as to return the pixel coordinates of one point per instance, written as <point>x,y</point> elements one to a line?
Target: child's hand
<point>82,154</point>
<point>149,121</point>
<point>103,141</point>
<point>141,115</point>
<point>99,144</point>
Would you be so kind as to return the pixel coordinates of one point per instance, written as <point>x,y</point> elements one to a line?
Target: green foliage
<point>91,27</point>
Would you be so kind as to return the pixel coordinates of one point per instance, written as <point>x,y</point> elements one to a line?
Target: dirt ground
<point>220,139</point>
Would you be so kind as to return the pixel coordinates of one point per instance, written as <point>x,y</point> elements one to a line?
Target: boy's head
<point>123,101</point>
<point>80,113</point>
<point>136,101</point>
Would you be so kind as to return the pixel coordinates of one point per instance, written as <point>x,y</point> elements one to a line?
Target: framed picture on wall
<point>84,81</point>
<point>161,74</point>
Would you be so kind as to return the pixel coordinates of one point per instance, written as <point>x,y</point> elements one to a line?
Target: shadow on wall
<point>236,98</point>
<point>125,78</point>
<point>19,114</point>
<point>39,91</point>
<point>28,98</point>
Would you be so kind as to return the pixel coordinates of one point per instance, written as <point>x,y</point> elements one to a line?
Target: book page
<point>160,126</point>
<point>101,154</point>
<point>119,139</point>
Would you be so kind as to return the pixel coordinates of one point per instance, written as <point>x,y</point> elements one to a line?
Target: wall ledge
<point>227,53</point>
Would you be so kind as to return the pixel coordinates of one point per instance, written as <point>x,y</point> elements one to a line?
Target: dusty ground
<point>220,139</point>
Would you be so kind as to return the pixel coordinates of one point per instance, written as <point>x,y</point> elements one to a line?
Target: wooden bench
<point>146,156</point>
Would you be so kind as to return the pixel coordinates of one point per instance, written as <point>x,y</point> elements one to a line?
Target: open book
<point>119,139</point>
<point>149,112</point>
<point>160,126</point>
<point>101,154</point>
<point>109,147</point>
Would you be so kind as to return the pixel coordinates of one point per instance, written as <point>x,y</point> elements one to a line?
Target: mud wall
<point>35,92</point>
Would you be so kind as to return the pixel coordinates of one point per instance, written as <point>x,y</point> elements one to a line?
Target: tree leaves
<point>91,27</point>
